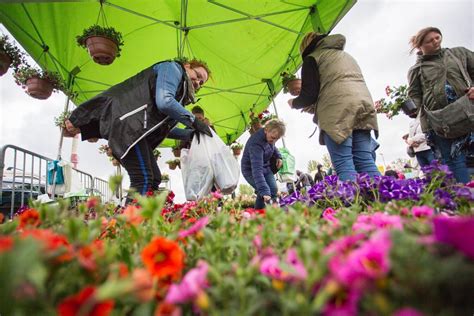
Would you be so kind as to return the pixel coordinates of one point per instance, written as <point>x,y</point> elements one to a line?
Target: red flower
<point>53,244</point>
<point>166,309</point>
<point>88,255</point>
<point>170,197</point>
<point>85,303</point>
<point>92,202</point>
<point>30,217</point>
<point>163,258</point>
<point>6,243</point>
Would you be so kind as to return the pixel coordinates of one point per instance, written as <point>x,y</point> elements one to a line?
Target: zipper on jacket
<point>144,120</point>
<point>133,112</point>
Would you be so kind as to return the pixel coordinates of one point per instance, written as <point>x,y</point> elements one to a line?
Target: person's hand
<point>415,144</point>
<point>290,102</point>
<point>279,163</point>
<point>201,128</point>
<point>267,198</point>
<point>69,130</point>
<point>470,93</point>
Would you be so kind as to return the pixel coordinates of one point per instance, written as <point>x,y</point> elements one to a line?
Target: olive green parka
<point>427,79</point>
<point>344,103</point>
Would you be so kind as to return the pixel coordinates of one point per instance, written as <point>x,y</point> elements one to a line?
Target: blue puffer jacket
<point>256,160</point>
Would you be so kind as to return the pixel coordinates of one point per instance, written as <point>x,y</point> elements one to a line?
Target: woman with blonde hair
<point>255,164</point>
<point>437,79</point>
<point>334,89</point>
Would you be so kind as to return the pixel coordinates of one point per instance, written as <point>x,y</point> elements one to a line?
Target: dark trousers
<point>142,168</point>
<point>424,157</point>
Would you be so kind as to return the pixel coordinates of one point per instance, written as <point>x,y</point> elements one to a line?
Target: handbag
<point>457,118</point>
<point>411,151</point>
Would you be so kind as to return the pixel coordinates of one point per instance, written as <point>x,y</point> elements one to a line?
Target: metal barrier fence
<point>26,179</point>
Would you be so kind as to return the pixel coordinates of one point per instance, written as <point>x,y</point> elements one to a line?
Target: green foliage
<point>97,30</point>
<point>60,120</point>
<point>285,78</point>
<point>236,145</point>
<point>396,97</point>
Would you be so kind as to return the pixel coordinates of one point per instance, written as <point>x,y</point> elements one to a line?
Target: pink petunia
<point>270,266</point>
<point>343,244</point>
<point>422,211</point>
<point>299,271</point>
<point>328,214</point>
<point>217,195</point>
<point>200,224</point>
<point>344,303</point>
<point>364,264</point>
<point>193,284</point>
<point>457,232</point>
<point>377,220</point>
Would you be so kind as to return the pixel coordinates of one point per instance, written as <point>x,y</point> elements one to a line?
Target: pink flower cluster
<point>193,284</point>
<point>376,221</point>
<point>272,267</point>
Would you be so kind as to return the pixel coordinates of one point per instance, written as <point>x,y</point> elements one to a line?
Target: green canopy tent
<point>246,43</point>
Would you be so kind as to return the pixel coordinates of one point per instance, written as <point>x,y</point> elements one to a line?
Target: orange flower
<point>85,303</point>
<point>132,215</point>
<point>53,244</point>
<point>30,217</point>
<point>163,258</point>
<point>88,255</point>
<point>6,243</point>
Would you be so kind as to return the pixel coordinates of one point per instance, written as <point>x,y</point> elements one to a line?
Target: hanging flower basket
<point>101,49</point>
<point>102,43</point>
<point>37,83</point>
<point>5,62</point>
<point>294,87</point>
<point>39,88</point>
<point>174,163</point>
<point>10,55</point>
<point>236,148</point>
<point>290,83</point>
<point>176,152</point>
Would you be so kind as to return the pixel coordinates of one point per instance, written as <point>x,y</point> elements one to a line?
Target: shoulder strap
<point>461,68</point>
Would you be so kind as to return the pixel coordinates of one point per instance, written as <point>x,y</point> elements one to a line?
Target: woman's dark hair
<point>417,39</point>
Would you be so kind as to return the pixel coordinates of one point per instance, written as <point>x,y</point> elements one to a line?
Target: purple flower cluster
<point>438,181</point>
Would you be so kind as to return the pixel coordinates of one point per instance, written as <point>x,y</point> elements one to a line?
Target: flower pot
<point>409,107</point>
<point>5,62</point>
<point>102,49</point>
<point>177,152</point>
<point>294,87</point>
<point>237,151</point>
<point>39,88</point>
<point>255,127</point>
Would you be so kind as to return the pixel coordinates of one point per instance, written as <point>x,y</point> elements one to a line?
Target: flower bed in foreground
<point>366,256</point>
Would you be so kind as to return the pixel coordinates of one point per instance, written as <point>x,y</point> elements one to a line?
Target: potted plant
<point>397,100</point>
<point>10,55</point>
<point>173,163</point>
<point>60,120</point>
<point>290,83</point>
<point>103,43</point>
<point>38,83</point>
<point>165,177</point>
<point>236,148</point>
<point>176,151</point>
<point>156,153</point>
<point>257,122</point>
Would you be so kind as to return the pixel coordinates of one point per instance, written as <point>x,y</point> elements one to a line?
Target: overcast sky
<point>377,33</point>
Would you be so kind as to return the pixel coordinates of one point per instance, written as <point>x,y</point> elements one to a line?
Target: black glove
<point>201,128</point>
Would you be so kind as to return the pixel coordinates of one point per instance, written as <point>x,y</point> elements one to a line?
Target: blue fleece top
<point>256,160</point>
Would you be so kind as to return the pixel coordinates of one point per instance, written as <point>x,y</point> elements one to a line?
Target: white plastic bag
<point>196,170</point>
<point>225,166</point>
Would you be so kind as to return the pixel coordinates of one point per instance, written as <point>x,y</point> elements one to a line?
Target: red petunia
<point>88,255</point>
<point>6,243</point>
<point>53,244</point>
<point>30,217</point>
<point>85,303</point>
<point>163,258</point>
